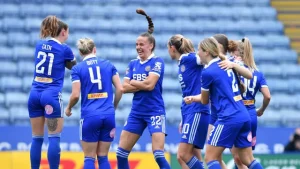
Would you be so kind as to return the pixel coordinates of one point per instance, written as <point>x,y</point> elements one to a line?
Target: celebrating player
<point>242,51</point>
<point>94,78</point>
<point>233,126</point>
<point>144,78</point>
<point>195,116</point>
<point>45,99</point>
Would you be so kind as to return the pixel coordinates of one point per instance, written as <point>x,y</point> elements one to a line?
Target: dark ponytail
<point>148,34</point>
<point>181,44</point>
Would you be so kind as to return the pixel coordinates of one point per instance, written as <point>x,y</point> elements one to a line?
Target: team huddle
<point>219,84</point>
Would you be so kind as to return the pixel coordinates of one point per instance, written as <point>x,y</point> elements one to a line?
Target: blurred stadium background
<point>271,25</point>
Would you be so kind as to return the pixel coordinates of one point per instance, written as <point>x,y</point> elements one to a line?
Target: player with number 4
<point>45,99</point>
<point>233,125</point>
<point>93,78</point>
<point>144,78</point>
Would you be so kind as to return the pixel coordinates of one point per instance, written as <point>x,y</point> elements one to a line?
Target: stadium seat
<point>33,24</point>
<point>19,115</point>
<point>126,100</point>
<point>51,9</point>
<point>74,11</point>
<point>30,10</point>
<point>278,86</point>
<point>6,53</point>
<point>171,84</point>
<point>10,10</point>
<point>173,115</point>
<point>25,68</point>
<point>270,70</point>
<point>4,116</point>
<point>13,24</point>
<point>172,99</point>
<point>27,82</point>
<point>278,41</point>
<point>283,101</point>
<point>3,38</point>
<point>8,68</point>
<point>18,38</point>
<point>10,99</point>
<point>23,53</point>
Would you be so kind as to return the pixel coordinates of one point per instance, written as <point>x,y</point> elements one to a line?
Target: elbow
<point>150,87</point>
<point>268,98</point>
<point>76,96</point>
<point>121,90</point>
<point>249,75</point>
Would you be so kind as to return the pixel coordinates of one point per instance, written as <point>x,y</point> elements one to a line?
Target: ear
<point>151,46</point>
<point>94,50</point>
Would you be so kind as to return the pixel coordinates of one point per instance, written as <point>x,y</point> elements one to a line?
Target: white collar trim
<point>89,56</point>
<point>56,40</point>
<point>145,61</point>
<point>212,61</point>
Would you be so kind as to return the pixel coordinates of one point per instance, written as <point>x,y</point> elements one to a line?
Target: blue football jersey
<point>147,101</point>
<point>50,59</point>
<point>224,90</point>
<point>189,75</point>
<point>252,86</point>
<point>95,76</point>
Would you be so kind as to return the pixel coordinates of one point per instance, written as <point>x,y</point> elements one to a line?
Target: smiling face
<point>143,47</point>
<point>203,55</point>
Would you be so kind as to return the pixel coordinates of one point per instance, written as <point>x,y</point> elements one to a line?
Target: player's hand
<point>188,99</point>
<point>180,127</point>
<point>68,112</point>
<point>259,112</point>
<point>226,64</point>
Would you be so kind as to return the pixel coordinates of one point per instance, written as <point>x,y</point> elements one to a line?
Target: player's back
<point>224,91</point>
<point>50,59</point>
<point>189,75</point>
<point>95,76</point>
<point>252,87</point>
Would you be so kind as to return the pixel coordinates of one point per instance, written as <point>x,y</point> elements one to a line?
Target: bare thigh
<point>89,148</point>
<point>37,125</point>
<point>54,125</point>
<point>128,140</point>
<point>103,148</point>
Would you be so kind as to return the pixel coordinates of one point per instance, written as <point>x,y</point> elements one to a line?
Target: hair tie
<point>243,40</point>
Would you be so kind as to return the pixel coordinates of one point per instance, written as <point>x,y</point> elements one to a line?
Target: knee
<point>180,156</point>
<point>237,160</point>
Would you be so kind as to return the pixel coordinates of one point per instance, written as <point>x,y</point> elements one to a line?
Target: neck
<point>209,59</point>
<point>59,39</point>
<point>145,58</point>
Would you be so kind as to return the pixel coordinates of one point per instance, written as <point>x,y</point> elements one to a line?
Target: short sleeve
<point>114,70</point>
<point>69,56</point>
<point>198,60</point>
<point>262,81</point>
<point>128,73</point>
<point>157,67</point>
<point>75,74</point>
<point>206,80</point>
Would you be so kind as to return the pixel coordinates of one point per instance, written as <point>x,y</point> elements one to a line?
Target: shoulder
<point>66,47</point>
<point>158,59</point>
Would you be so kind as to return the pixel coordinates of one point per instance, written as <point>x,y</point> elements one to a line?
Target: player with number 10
<point>45,100</point>
<point>233,125</point>
<point>144,78</point>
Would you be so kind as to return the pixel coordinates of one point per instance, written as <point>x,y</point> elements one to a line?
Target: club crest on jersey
<point>147,68</point>
<point>182,68</point>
